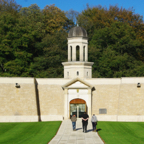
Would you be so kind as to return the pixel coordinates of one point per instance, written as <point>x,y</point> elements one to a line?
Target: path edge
<point>56,133</point>
<point>101,138</point>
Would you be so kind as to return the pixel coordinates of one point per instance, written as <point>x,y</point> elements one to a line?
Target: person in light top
<point>94,122</point>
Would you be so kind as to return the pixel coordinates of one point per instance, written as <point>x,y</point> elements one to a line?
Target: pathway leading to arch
<point>66,135</point>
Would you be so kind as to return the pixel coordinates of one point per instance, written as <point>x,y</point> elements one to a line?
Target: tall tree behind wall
<point>72,15</point>
<point>99,17</point>
<point>116,43</point>
<point>31,43</point>
<point>8,20</point>
<point>53,44</point>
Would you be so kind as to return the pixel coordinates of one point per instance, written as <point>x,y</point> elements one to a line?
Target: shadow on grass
<point>98,129</point>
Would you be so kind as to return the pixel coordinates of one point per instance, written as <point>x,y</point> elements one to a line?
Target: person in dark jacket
<point>74,119</point>
<point>85,118</point>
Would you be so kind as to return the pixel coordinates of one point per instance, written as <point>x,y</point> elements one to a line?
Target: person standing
<point>74,119</point>
<point>85,118</point>
<point>94,122</point>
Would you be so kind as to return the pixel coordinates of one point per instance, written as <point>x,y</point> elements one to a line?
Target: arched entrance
<point>77,107</point>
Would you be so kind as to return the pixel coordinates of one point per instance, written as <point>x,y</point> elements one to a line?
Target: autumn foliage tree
<point>54,19</point>
<point>33,42</point>
<point>116,49</point>
<point>30,38</point>
<point>99,17</point>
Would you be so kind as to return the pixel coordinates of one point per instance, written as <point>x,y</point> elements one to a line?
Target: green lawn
<point>121,132</point>
<point>28,133</point>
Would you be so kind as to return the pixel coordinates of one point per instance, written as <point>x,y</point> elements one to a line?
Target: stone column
<point>89,103</point>
<point>69,53</point>
<point>81,52</point>
<point>86,53</point>
<point>66,103</point>
<point>74,53</point>
<point>77,111</point>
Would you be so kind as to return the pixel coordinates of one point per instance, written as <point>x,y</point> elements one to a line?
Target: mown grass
<point>28,133</point>
<point>121,132</point>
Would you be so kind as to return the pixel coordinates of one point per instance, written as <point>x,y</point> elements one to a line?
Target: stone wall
<point>131,100</point>
<point>51,101</point>
<point>18,104</point>
<point>121,97</point>
<point>43,99</point>
<point>105,97</point>
<point>51,97</point>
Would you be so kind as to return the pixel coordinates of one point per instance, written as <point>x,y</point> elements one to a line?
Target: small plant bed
<point>28,133</point>
<point>121,132</point>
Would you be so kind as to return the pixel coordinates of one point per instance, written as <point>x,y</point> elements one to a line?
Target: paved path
<point>66,135</point>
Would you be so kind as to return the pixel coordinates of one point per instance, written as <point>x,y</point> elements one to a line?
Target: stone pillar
<point>81,52</point>
<point>77,111</point>
<point>66,103</point>
<point>74,53</point>
<point>86,53</point>
<point>69,53</point>
<point>89,103</point>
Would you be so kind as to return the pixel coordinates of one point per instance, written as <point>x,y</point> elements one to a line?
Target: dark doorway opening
<point>77,107</point>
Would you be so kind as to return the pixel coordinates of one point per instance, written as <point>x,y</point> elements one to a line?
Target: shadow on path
<point>89,130</point>
<point>78,129</point>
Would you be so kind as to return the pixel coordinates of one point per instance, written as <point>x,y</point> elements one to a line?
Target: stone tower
<point>77,65</point>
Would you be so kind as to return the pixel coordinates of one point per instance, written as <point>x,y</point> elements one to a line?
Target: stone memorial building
<point>47,99</point>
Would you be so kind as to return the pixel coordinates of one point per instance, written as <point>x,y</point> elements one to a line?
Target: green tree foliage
<point>99,17</point>
<point>8,21</point>
<point>54,19</point>
<point>54,49</point>
<point>19,34</point>
<point>33,42</point>
<point>27,46</point>
<point>115,51</point>
<point>116,41</point>
<point>72,15</point>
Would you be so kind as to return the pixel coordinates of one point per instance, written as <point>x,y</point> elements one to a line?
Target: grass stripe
<point>28,133</point>
<point>121,132</point>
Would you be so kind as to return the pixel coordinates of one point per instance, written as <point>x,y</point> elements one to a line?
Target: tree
<point>99,17</point>
<point>115,51</point>
<point>8,19</point>
<point>33,42</point>
<point>54,19</point>
<point>20,34</point>
<point>9,6</point>
<point>72,15</point>
<point>54,49</point>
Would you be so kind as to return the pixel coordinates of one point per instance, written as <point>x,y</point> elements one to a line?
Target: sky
<point>79,5</point>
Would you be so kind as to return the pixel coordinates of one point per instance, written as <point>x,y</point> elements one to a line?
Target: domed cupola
<point>77,65</point>
<point>77,32</point>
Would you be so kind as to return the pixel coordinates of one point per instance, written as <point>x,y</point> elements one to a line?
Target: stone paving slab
<point>66,135</point>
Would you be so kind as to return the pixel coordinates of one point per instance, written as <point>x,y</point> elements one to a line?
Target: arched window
<point>77,53</point>
<point>77,73</point>
<point>87,73</point>
<point>67,73</point>
<point>70,53</point>
<point>84,53</point>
